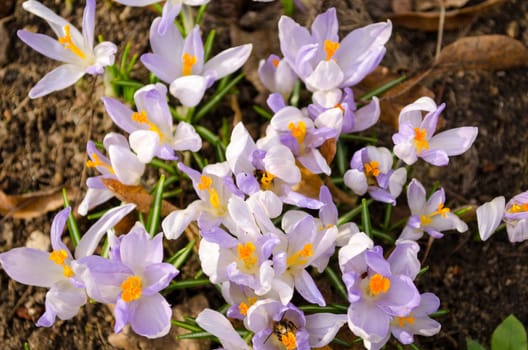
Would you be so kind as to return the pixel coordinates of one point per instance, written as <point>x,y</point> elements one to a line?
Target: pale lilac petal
<point>64,301</point>
<point>161,67</point>
<point>104,56</point>
<point>193,46</point>
<point>189,89</point>
<point>216,323</point>
<point>151,316</point>
<point>157,277</point>
<point>136,2</point>
<point>406,152</point>
<point>368,321</point>
<point>305,285</point>
<point>58,79</point>
<point>435,157</point>
<point>327,98</point>
<point>227,61</point>
<point>93,236</point>
<point>517,232</point>
<point>57,228</point>
<point>366,116</point>
<point>239,150</point>
<point>413,113</point>
<point>356,181</point>
<point>138,250</point>
<point>280,162</point>
<point>175,223</point>
<point>325,26</point>
<point>404,259</point>
<point>88,23</point>
<point>128,168</point>
<point>396,181</point>
<point>171,9</point>
<point>56,22</point>
<point>145,144</point>
<point>327,75</point>
<point>323,327</point>
<point>93,198</point>
<point>401,297</point>
<point>292,38</point>
<point>43,271</point>
<point>314,161</point>
<point>186,138</point>
<point>489,216</point>
<point>169,46</point>
<point>47,46</point>
<point>120,113</point>
<point>416,196</point>
<point>454,141</point>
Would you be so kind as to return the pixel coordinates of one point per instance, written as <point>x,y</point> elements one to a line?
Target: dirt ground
<point>42,147</point>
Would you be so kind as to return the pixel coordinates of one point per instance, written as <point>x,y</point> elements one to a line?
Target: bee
<point>281,328</point>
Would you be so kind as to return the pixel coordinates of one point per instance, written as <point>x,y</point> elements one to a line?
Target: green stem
<point>73,228</point>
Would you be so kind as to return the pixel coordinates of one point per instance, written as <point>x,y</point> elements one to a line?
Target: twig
<point>440,36</point>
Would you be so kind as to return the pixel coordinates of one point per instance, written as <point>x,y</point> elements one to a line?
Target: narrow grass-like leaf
<point>313,309</point>
<point>351,214</point>
<point>208,46</point>
<point>294,99</point>
<point>341,158</point>
<point>73,228</point>
<point>200,14</point>
<point>187,326</point>
<point>383,235</point>
<point>388,215</point>
<point>124,58</point>
<point>359,138</point>
<point>128,83</point>
<point>336,281</point>
<point>181,255</point>
<point>262,112</point>
<point>187,284</point>
<point>365,218</point>
<point>217,97</point>
<point>158,163</point>
<point>154,216</point>
<point>288,7</point>
<point>382,89</point>
<point>197,335</point>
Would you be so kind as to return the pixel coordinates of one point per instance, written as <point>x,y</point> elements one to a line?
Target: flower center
<point>142,118</point>
<point>372,168</point>
<point>58,257</point>
<point>428,218</point>
<point>330,48</point>
<point>68,43</point>
<point>132,288</point>
<point>420,139</point>
<point>378,284</point>
<point>188,62</point>
<point>243,307</point>
<point>403,320</point>
<point>518,208</point>
<point>289,340</point>
<point>266,180</point>
<point>298,131</point>
<point>246,253</point>
<point>95,162</point>
<point>301,256</point>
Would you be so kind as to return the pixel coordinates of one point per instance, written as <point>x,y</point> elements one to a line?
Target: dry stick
<point>427,250</point>
<point>441,21</point>
<point>88,136</point>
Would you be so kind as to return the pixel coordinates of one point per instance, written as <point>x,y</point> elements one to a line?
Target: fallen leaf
<point>489,52</point>
<point>34,204</point>
<point>425,5</point>
<point>328,150</point>
<point>454,19</point>
<point>401,6</point>
<point>310,184</point>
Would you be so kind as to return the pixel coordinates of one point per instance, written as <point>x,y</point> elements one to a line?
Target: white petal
<point>454,141</point>
<point>227,61</point>
<point>58,79</point>
<point>186,138</point>
<point>356,181</point>
<point>144,143</point>
<point>189,89</point>
<point>219,326</point>
<point>489,216</point>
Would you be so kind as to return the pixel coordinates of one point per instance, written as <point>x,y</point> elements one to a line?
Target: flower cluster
<point>268,226</point>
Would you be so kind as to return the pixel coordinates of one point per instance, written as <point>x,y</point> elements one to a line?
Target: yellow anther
<point>372,168</point>
<point>289,341</point>
<point>378,284</point>
<point>425,220</point>
<point>519,208</point>
<point>420,139</point>
<point>428,218</point>
<point>67,271</point>
<point>300,257</point>
<point>403,320</point>
<point>298,131</point>
<point>132,288</point>
<point>243,308</point>
<point>275,62</point>
<point>246,253</point>
<point>330,48</point>
<point>266,180</point>
<point>68,43</point>
<point>340,106</point>
<point>142,118</point>
<point>188,62</point>
<point>58,256</point>
<point>95,162</point>
<point>213,198</point>
<point>205,183</point>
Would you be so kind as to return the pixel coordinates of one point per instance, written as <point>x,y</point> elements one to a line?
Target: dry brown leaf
<point>426,5</point>
<point>328,150</point>
<point>454,19</point>
<point>137,195</point>
<point>34,204</point>
<point>489,52</point>
<point>310,184</point>
<point>401,6</point>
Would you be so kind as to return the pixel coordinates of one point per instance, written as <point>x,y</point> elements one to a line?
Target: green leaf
<point>509,335</point>
<point>473,345</point>
<point>154,216</point>
<point>73,228</point>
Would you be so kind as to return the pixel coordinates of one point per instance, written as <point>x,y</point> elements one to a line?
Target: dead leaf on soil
<point>487,52</point>
<point>426,5</point>
<point>401,6</point>
<point>454,19</point>
<point>34,204</point>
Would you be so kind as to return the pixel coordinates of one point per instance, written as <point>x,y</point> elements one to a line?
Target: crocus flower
<point>298,132</point>
<point>132,279</point>
<point>276,75</point>
<point>122,165</point>
<point>218,325</point>
<point>180,62</point>
<point>371,170</point>
<point>428,215</point>
<point>326,64</point>
<point>514,214</point>
<point>55,270</point>
<point>378,289</point>
<point>74,49</point>
<point>415,138</point>
<point>150,128</point>
<point>171,9</point>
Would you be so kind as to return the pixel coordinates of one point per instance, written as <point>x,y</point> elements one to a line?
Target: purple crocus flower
<point>74,49</point>
<point>276,75</point>
<point>514,214</point>
<point>56,270</point>
<point>171,9</point>
<point>326,64</point>
<point>378,289</point>
<point>150,128</point>
<point>180,62</point>
<point>371,170</point>
<point>122,165</point>
<point>428,215</point>
<point>132,279</point>
<point>415,135</point>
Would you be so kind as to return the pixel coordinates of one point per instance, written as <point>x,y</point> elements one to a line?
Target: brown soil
<point>42,147</point>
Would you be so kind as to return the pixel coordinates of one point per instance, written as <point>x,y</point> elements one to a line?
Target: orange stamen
<point>330,48</point>
<point>378,284</point>
<point>68,43</point>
